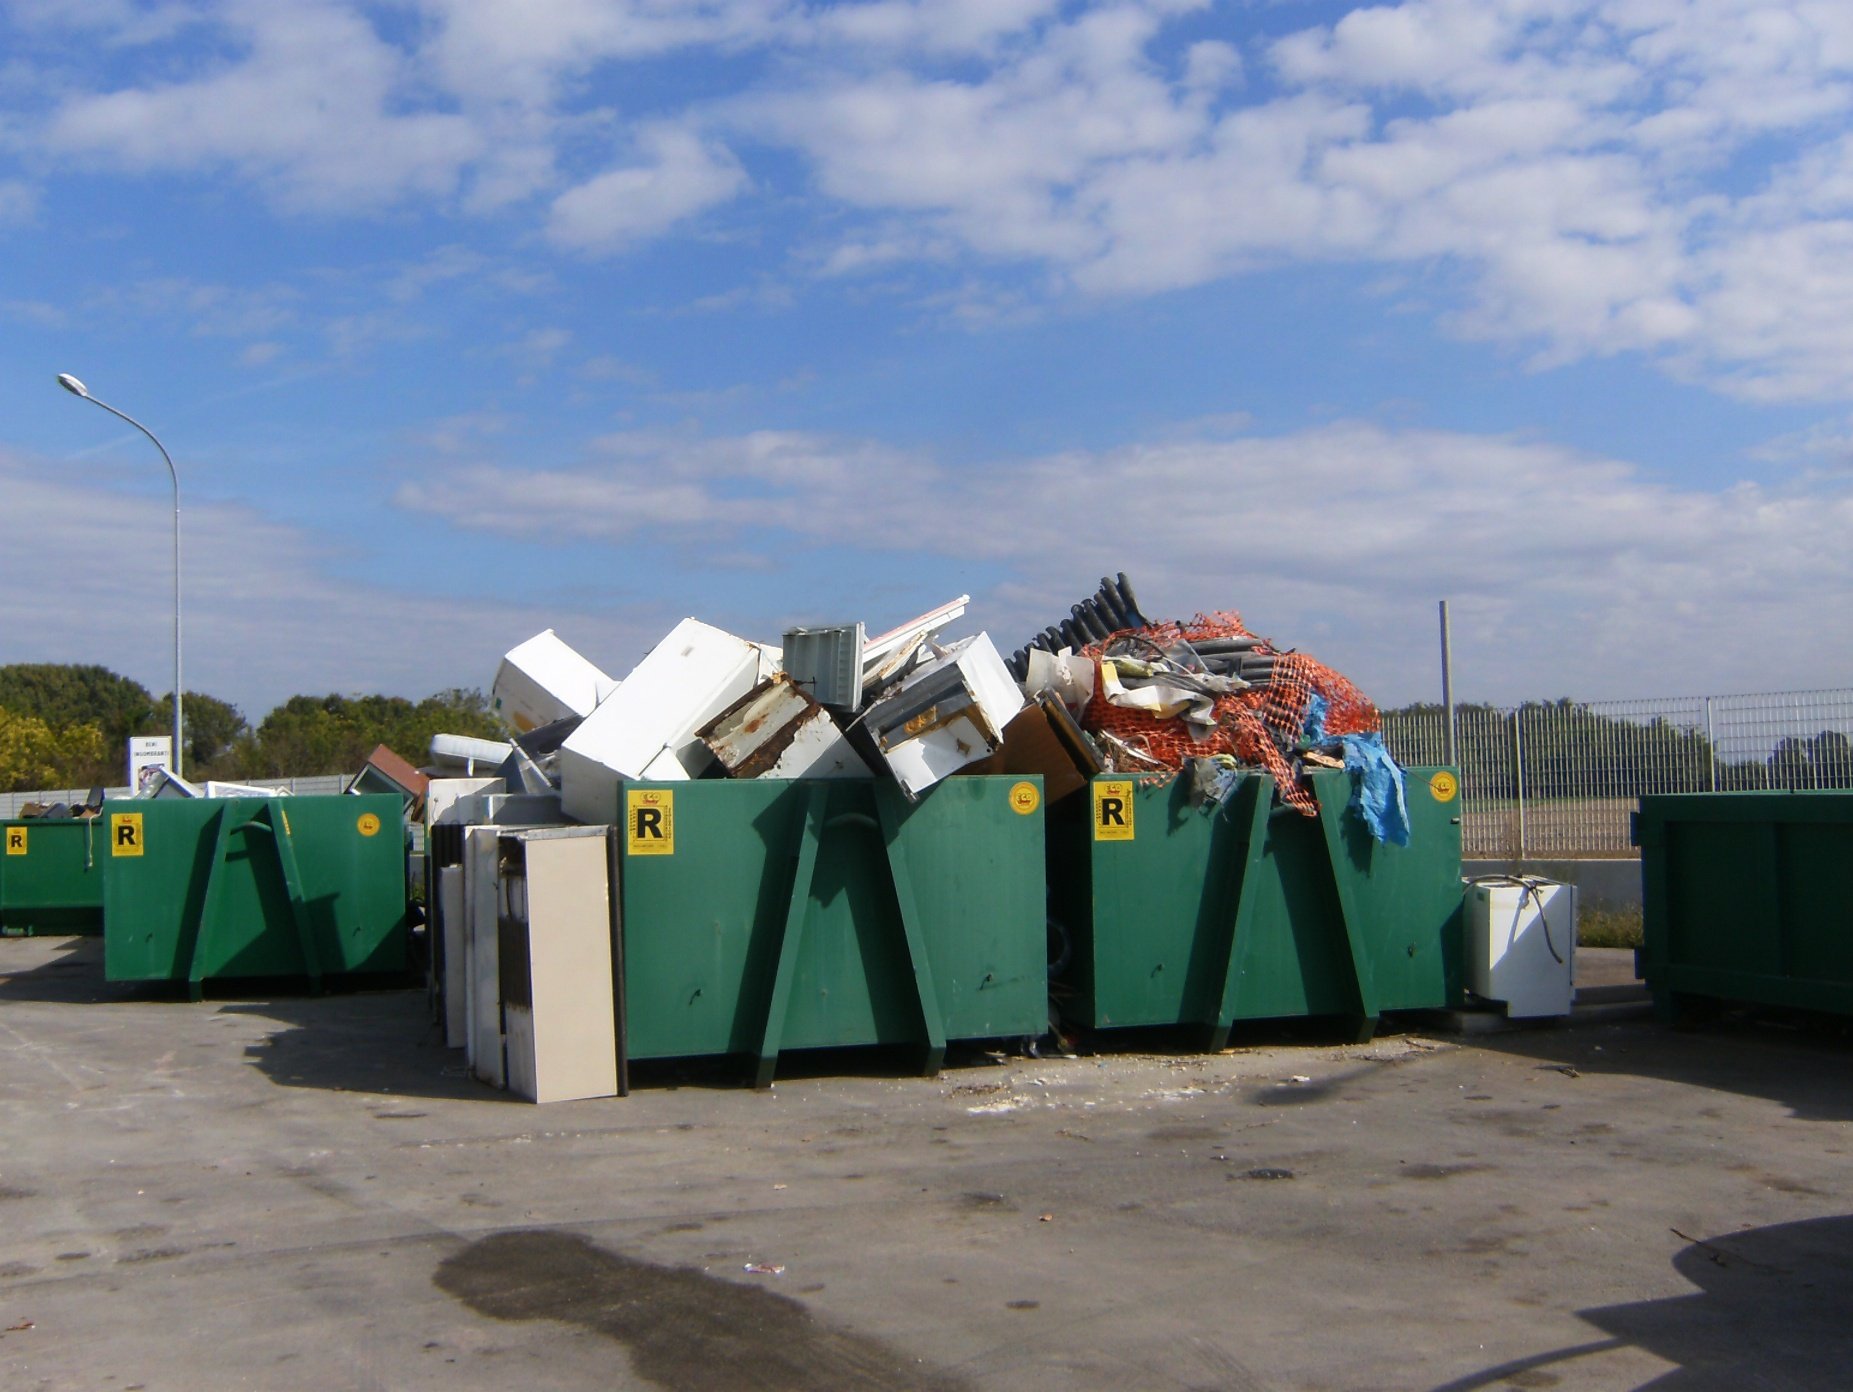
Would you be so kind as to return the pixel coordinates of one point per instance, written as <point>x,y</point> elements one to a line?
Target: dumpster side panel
<point>700,941</point>
<point>1407,901</point>
<point>1149,891</point>
<point>975,863</point>
<point>51,876</point>
<point>1293,958</point>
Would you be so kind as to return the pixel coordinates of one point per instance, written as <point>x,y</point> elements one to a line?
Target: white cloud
<point>256,632</point>
<point>310,109</point>
<point>1568,573</point>
<point>680,176</point>
<point>1594,176</point>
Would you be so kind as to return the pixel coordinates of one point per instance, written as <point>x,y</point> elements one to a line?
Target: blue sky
<point>465,318</point>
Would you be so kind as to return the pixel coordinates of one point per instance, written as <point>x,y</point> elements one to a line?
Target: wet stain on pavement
<point>8,1191</point>
<point>1438,1171</point>
<point>683,1328</point>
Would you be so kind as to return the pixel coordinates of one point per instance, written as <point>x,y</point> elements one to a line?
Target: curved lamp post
<point>77,388</point>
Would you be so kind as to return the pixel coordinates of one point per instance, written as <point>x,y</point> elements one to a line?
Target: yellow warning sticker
<point>1113,809</point>
<point>1444,786</point>
<point>286,823</point>
<point>1025,798</point>
<point>125,833</point>
<point>16,840</point>
<point>368,825</point>
<point>650,821</point>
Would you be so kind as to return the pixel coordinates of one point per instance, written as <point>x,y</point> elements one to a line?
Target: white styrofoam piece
<point>562,1043</point>
<point>646,728</point>
<point>544,680</point>
<point>910,635</point>
<point>1521,944</point>
<point>217,788</point>
<point>467,752</point>
<point>456,956</point>
<point>482,957</point>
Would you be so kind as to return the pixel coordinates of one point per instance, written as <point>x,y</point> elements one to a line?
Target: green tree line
<point>68,726</point>
<point>1572,751</point>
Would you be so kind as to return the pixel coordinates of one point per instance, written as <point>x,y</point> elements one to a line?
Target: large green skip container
<point>51,876</point>
<point>249,887</point>
<point>761,915</point>
<point>1253,912</point>
<point>1747,897</point>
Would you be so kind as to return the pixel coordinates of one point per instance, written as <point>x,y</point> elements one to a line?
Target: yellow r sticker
<point>16,840</point>
<point>1443,786</point>
<point>650,820</point>
<point>368,825</point>
<point>1024,798</point>
<point>1113,809</point>
<point>125,833</point>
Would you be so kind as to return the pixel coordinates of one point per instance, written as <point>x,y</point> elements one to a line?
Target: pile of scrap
<point>1104,689</point>
<point>1208,695</point>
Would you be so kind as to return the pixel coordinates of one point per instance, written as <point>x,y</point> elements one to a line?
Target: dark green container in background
<point>762,915</point>
<point>51,876</point>
<point>253,887</point>
<point>1747,897</point>
<point>1254,911</point>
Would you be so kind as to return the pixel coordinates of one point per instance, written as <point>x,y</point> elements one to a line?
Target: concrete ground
<point>308,1193</point>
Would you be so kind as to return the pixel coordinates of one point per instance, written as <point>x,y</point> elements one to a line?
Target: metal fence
<point>308,786</point>
<point>1559,779</point>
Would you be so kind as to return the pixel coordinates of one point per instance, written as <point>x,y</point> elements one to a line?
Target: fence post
<point>1518,774</point>
<point>1447,685</point>
<point>1711,751</point>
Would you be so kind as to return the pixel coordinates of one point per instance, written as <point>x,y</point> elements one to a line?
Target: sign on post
<point>146,754</point>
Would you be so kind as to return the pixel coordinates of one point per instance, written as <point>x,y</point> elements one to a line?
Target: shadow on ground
<point>1800,1062</point>
<point>74,975</point>
<point>372,1041</point>
<point>1769,1310</point>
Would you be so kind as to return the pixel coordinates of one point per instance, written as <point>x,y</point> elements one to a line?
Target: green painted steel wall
<point>704,925</point>
<point>1748,897</point>
<point>57,885</point>
<point>208,897</point>
<point>1255,912</point>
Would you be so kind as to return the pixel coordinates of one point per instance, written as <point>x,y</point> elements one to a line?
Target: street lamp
<point>77,388</point>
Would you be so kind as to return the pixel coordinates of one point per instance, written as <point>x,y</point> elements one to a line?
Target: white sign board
<point>146,754</point>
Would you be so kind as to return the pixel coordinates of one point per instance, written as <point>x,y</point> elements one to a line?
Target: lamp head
<point>73,386</point>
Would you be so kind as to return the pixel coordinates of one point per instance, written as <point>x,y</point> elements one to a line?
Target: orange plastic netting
<point>1260,726</point>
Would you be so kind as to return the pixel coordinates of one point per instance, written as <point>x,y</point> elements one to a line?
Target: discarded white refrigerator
<point>555,963</point>
<point>646,728</point>
<point>544,680</point>
<point>1521,944</point>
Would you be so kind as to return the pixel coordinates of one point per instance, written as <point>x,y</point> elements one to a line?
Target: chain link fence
<point>1554,780</point>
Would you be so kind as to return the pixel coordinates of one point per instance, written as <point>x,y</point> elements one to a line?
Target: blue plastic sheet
<point>1376,782</point>
<point>1377,788</point>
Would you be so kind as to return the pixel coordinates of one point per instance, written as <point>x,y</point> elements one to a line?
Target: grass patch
<point>1608,928</point>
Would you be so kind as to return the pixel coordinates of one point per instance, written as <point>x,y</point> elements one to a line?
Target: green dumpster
<point>762,915</point>
<point>249,887</point>
<point>1746,897</point>
<point>51,876</point>
<point>1175,916</point>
